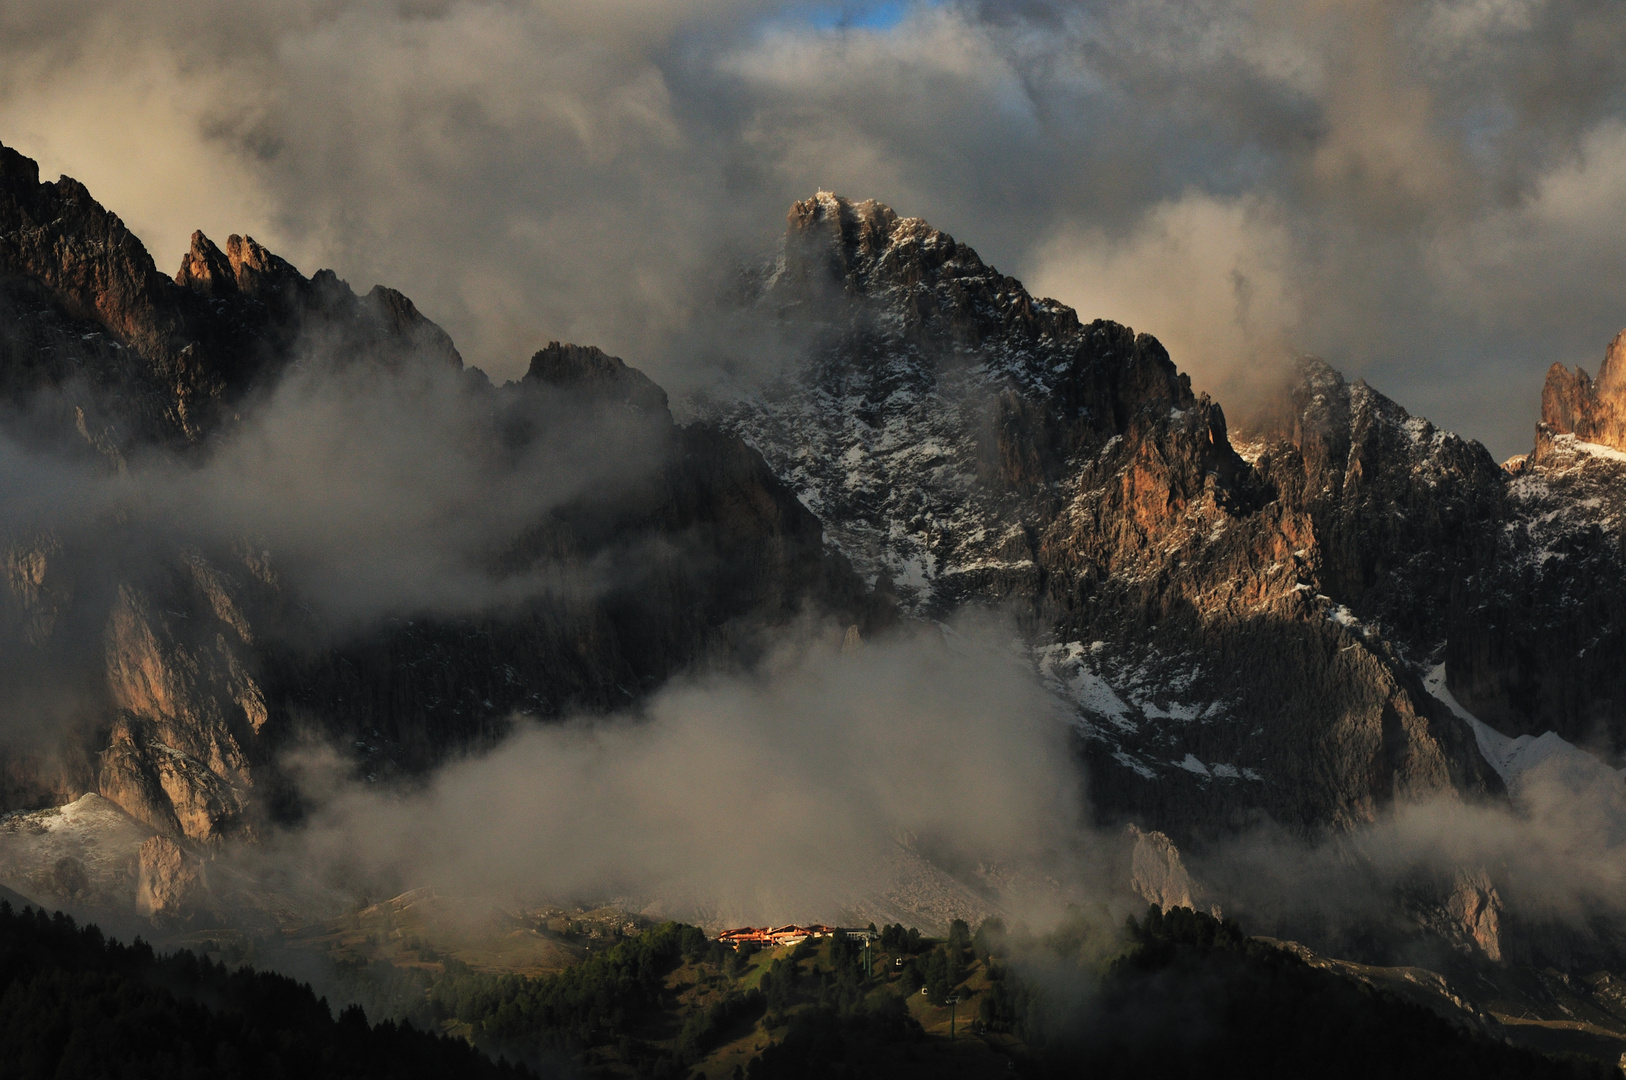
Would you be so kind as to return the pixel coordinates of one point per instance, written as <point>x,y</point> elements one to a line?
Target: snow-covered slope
<point>1518,759</point>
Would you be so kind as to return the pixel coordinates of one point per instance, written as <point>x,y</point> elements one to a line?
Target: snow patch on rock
<point>1516,759</point>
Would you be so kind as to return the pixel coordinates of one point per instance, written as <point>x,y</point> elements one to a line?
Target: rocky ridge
<point>1594,412</point>
<point>202,666</point>
<point>1248,626</point>
<point>1239,637</point>
<point>134,356</point>
<point>922,362</point>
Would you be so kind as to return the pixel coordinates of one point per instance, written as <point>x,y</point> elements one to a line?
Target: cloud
<point>1548,865</point>
<point>388,491</point>
<point>923,778</point>
<point>1213,275</point>
<point>778,795</point>
<point>372,491</point>
<point>529,171</point>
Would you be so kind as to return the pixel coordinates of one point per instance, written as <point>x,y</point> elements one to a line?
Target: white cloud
<point>1211,278</point>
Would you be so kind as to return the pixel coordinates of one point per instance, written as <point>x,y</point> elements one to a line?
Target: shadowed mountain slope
<point>197,660</point>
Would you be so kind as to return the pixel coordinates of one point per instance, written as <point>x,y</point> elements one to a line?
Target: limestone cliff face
<point>172,883</point>
<point>1157,874</point>
<point>1235,633</point>
<point>1594,412</point>
<point>185,708</point>
<point>1476,907</point>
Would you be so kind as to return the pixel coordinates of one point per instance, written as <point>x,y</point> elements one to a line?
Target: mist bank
<point>922,777</point>
<point>917,775</point>
<point>344,496</point>
<point>379,491</point>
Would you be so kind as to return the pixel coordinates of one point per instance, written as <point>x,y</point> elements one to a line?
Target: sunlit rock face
<point>1156,872</point>
<point>173,883</point>
<point>1594,412</point>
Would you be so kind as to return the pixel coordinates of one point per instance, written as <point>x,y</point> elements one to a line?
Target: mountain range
<point>1302,616</point>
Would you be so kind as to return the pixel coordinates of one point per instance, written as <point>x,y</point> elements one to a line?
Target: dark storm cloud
<point>1424,193</point>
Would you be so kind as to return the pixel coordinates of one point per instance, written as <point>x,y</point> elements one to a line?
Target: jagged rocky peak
<point>934,409</point>
<point>870,251</point>
<point>1317,408</point>
<point>58,235</point>
<point>396,311</point>
<point>1351,440</point>
<point>1594,411</point>
<point>854,235</point>
<point>102,329</point>
<point>247,270</point>
<point>590,370</point>
<point>244,266</point>
<point>1399,507</point>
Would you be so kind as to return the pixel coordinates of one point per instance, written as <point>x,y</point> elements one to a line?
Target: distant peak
<point>859,234</point>
<point>591,370</point>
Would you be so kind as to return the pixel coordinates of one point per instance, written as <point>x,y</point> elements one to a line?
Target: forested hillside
<point>1165,995</point>
<point>77,1006</point>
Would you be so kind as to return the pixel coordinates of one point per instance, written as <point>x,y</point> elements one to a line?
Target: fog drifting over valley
<point>921,776</point>
<point>1426,194</point>
<point>373,491</point>
<point>818,787</point>
<point>925,777</point>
